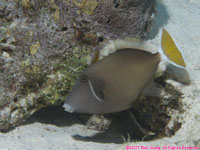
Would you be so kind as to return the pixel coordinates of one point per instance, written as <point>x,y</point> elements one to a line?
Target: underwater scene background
<point>44,46</point>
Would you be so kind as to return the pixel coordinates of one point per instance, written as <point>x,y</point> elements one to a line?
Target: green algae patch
<point>55,8</point>
<point>25,3</point>
<point>86,6</point>
<point>35,78</point>
<point>43,89</point>
<point>52,88</point>
<point>34,48</point>
<point>60,83</point>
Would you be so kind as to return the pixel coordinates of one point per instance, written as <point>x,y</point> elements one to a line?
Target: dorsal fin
<point>133,43</point>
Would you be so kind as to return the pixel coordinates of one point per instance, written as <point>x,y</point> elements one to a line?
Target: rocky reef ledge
<point>44,45</point>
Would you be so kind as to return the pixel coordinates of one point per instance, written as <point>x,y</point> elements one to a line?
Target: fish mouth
<point>68,108</point>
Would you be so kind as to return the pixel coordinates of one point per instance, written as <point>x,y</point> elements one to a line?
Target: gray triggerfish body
<point>114,83</point>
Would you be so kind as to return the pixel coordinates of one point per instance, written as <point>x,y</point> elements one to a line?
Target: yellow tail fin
<point>170,49</point>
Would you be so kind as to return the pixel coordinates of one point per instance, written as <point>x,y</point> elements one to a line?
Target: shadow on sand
<point>152,113</point>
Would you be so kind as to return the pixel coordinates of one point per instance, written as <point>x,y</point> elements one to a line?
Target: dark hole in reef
<point>108,21</point>
<point>100,39</point>
<point>64,29</point>
<point>4,12</point>
<point>7,50</point>
<point>15,99</point>
<point>161,80</point>
<point>3,41</point>
<point>17,16</point>
<point>116,5</point>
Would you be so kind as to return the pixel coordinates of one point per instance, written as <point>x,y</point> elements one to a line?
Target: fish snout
<point>68,108</point>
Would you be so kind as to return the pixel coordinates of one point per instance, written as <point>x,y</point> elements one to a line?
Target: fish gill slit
<point>93,92</point>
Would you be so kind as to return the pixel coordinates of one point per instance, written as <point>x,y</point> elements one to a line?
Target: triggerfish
<point>113,83</point>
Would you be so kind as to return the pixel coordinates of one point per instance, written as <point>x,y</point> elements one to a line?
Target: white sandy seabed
<point>182,20</point>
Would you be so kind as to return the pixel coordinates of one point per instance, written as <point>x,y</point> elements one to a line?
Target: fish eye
<point>83,78</point>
